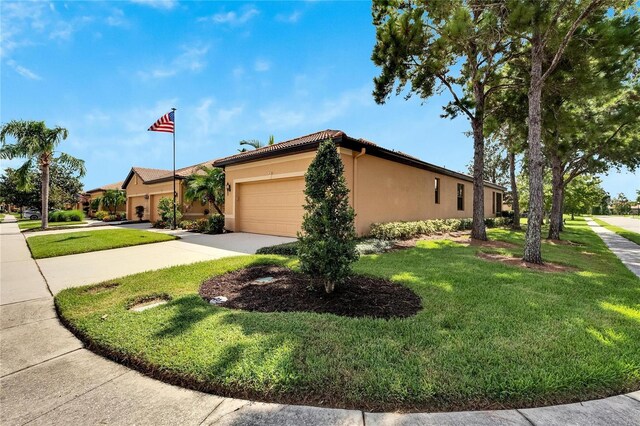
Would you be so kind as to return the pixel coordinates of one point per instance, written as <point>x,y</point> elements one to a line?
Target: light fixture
<point>228,187</point>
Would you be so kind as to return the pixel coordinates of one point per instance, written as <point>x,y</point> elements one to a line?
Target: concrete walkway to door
<point>48,378</point>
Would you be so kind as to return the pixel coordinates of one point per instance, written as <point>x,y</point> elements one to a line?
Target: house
<point>146,187</point>
<point>264,187</point>
<point>93,194</point>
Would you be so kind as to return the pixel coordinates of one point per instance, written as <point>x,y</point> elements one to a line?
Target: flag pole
<point>173,225</point>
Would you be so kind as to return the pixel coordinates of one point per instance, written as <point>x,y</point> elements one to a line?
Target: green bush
<point>66,216</point>
<point>100,215</point>
<point>327,242</point>
<point>407,230</point>
<point>165,210</point>
<point>286,249</point>
<point>215,224</point>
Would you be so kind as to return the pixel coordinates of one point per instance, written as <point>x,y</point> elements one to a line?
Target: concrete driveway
<point>88,268</point>
<point>628,223</point>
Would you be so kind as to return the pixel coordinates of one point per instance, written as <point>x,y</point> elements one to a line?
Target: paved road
<point>627,251</point>
<point>48,378</point>
<point>628,223</point>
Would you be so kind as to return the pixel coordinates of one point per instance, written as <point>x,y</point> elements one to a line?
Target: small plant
<point>327,243</point>
<point>286,249</point>
<point>66,216</point>
<point>215,224</point>
<point>100,215</point>
<point>140,212</point>
<point>165,210</point>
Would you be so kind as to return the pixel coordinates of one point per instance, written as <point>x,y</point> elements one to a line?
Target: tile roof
<point>289,144</point>
<point>342,139</point>
<point>116,185</point>
<point>150,174</point>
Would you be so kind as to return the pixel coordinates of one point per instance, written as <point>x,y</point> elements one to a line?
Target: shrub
<point>100,215</point>
<point>407,230</point>
<point>327,243</point>
<point>165,210</point>
<point>160,224</point>
<point>188,225</point>
<point>66,216</point>
<point>140,212</point>
<point>215,224</point>
<point>286,249</point>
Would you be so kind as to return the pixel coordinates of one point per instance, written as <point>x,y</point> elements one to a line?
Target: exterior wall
<point>384,190</point>
<point>98,194</point>
<point>148,195</point>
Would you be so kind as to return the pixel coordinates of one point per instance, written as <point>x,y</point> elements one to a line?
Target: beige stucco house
<point>264,187</point>
<point>145,187</point>
<point>95,193</point>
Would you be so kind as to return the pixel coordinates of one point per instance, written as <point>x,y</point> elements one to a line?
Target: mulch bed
<point>517,261</point>
<point>460,237</point>
<point>290,291</point>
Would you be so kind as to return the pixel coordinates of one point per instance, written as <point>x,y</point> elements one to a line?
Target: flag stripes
<point>164,124</point>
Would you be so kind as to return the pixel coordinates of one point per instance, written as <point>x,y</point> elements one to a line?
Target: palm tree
<point>206,187</point>
<point>112,198</point>
<point>35,142</point>
<point>255,143</point>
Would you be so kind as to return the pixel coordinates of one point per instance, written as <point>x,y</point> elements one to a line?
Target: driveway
<point>628,223</point>
<point>88,268</point>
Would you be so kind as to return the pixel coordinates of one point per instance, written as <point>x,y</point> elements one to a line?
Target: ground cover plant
<point>629,235</point>
<point>87,241</point>
<point>488,335</point>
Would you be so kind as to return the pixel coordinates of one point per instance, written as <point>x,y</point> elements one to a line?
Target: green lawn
<point>82,242</point>
<point>629,235</point>
<point>27,224</point>
<point>489,335</point>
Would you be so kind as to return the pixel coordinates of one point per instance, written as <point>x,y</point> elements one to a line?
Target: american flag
<point>164,124</point>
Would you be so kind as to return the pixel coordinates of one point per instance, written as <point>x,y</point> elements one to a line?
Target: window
<point>460,196</point>
<point>498,206</point>
<point>493,202</point>
<point>437,188</point>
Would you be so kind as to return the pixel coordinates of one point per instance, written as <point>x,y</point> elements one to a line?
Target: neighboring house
<point>635,209</point>
<point>92,194</point>
<point>146,187</point>
<point>264,187</point>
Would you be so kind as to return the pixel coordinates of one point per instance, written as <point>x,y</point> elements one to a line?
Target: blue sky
<point>107,70</point>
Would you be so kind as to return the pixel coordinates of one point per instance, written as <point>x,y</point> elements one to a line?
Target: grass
<point>489,335</point>
<point>27,224</point>
<point>43,246</point>
<point>629,235</point>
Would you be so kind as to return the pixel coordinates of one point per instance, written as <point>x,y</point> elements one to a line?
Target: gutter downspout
<point>363,151</point>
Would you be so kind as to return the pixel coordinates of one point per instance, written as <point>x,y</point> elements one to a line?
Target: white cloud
<point>316,114</point>
<point>157,4</point>
<point>232,17</point>
<point>25,72</point>
<point>238,72</point>
<point>116,19</point>
<point>262,65</point>
<point>20,22</point>
<point>65,29</point>
<point>291,18</point>
<point>191,59</point>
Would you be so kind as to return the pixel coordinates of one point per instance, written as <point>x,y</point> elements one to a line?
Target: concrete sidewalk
<point>48,378</point>
<point>627,251</point>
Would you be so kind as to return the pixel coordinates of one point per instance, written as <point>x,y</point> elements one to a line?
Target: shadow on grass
<point>69,238</point>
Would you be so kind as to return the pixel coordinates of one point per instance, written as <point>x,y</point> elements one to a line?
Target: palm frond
<point>23,175</point>
<point>73,162</point>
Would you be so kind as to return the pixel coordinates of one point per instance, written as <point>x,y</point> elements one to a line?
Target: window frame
<point>460,196</point>
<point>437,190</point>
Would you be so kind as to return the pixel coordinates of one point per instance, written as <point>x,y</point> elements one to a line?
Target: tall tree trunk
<point>532,247</point>
<point>44,192</point>
<point>557,188</point>
<point>515,197</point>
<point>478,230</point>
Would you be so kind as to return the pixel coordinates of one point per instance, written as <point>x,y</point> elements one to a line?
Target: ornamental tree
<point>327,245</point>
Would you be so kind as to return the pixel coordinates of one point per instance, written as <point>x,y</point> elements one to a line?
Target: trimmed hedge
<point>286,249</point>
<point>407,230</point>
<point>66,216</point>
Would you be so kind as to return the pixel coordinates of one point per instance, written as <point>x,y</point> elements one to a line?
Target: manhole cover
<point>148,305</point>
<point>264,280</point>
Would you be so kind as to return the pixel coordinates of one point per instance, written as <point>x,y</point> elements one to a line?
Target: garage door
<point>272,207</point>
<point>133,202</point>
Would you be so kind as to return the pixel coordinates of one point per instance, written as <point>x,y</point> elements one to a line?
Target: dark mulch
<point>290,291</point>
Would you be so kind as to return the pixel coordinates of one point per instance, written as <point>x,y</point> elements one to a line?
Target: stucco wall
<point>384,190</point>
<point>148,195</point>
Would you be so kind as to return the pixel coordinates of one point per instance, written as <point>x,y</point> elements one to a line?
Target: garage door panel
<point>270,207</point>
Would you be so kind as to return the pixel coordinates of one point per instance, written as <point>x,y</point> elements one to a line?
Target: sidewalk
<point>48,378</point>
<point>627,251</point>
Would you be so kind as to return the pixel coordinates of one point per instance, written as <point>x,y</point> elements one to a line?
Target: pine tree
<point>327,243</point>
